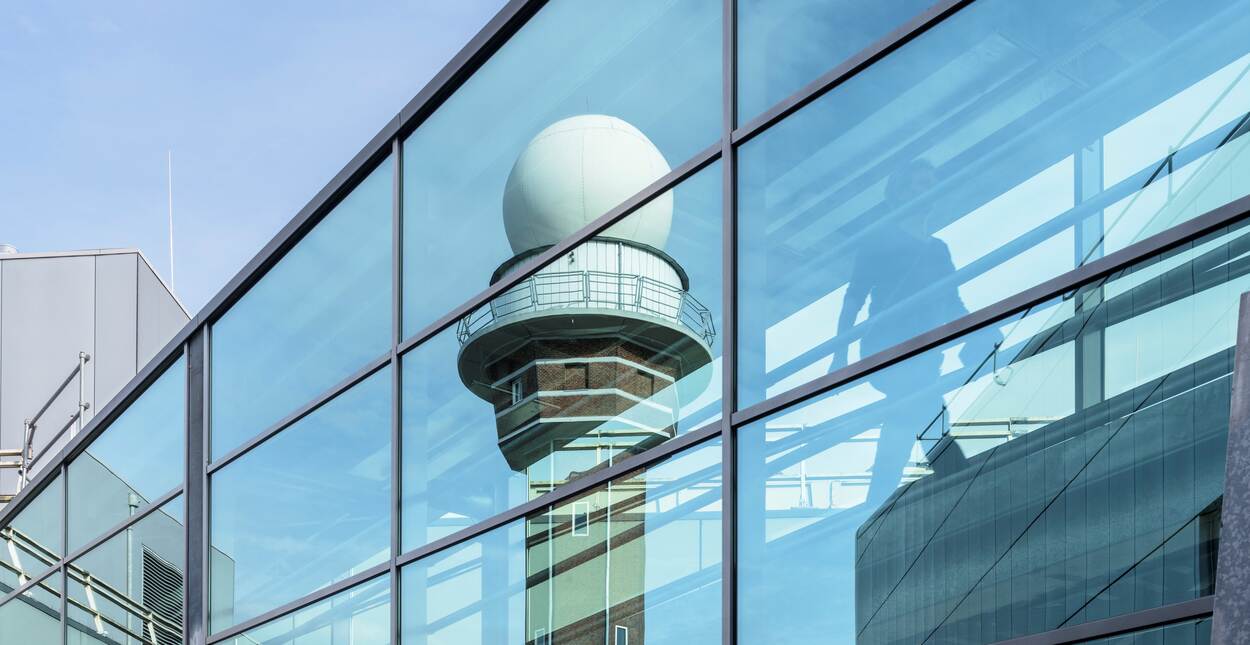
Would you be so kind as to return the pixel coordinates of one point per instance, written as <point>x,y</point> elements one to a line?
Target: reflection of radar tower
<point>581,362</point>
<point>583,357</point>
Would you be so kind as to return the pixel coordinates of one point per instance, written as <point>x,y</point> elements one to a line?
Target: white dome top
<point>577,169</point>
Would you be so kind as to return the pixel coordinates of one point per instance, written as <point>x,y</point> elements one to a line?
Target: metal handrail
<point>92,587</point>
<point>26,455</point>
<point>597,289</point>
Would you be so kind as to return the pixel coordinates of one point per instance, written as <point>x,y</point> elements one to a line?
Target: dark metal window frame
<point>194,341</point>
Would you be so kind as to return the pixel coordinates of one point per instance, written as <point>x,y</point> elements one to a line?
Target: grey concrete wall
<point>109,304</point>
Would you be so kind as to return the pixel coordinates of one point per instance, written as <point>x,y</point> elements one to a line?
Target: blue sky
<point>261,103</point>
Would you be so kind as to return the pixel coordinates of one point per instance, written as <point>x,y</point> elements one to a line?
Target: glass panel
<point>1190,632</point>
<point>1061,466</point>
<point>32,541</point>
<point>129,590</point>
<point>637,561</point>
<point>359,616</point>
<point>314,319</point>
<point>601,98</point>
<point>33,617</point>
<point>138,458</point>
<point>306,508</point>
<point>1003,147</point>
<point>606,352</point>
<point>783,46</point>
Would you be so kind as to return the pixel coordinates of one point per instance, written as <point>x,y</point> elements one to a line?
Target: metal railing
<point>593,289</point>
<point>26,456</point>
<point>151,624</point>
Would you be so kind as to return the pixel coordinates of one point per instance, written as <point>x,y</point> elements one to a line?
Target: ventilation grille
<point>162,594</point>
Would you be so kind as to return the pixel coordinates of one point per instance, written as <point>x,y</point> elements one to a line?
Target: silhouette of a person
<point>900,272</point>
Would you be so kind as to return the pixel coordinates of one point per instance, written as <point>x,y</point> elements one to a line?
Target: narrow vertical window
<point>516,391</point>
<point>581,519</point>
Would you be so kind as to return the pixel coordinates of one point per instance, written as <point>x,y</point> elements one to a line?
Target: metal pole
<point>27,454</point>
<point>83,357</point>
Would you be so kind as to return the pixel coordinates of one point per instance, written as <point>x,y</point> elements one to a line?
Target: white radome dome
<point>577,169</point>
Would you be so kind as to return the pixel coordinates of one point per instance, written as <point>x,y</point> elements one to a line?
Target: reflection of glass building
<point>653,322</point>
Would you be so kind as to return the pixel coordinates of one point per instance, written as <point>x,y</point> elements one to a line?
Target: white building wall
<point>109,304</point>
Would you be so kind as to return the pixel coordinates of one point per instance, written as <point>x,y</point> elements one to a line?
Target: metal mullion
<point>729,319</point>
<point>397,274</point>
<point>62,568</point>
<point>568,491</point>
<point>301,603</point>
<point>509,20</point>
<point>536,262</point>
<point>1055,287</point>
<point>849,68</point>
<point>361,374</point>
<point>195,567</point>
<point>206,495</point>
<point>1122,624</point>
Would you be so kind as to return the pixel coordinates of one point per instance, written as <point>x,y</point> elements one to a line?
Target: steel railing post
<point>83,357</point>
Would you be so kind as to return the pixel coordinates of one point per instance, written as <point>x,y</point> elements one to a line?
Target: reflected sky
<point>655,64</point>
<point>306,508</point>
<point>1057,134</point>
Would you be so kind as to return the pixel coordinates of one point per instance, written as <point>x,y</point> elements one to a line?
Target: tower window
<point>581,519</point>
<point>516,390</point>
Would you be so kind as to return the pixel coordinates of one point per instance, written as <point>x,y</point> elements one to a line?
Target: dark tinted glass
<point>635,561</point>
<point>1189,632</point>
<point>1006,145</point>
<point>607,351</point>
<point>589,103</point>
<point>308,507</point>
<point>1062,466</point>
<point>314,319</point>
<point>138,458</point>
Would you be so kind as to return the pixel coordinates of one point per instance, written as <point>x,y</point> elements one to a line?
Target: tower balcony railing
<point>593,290</point>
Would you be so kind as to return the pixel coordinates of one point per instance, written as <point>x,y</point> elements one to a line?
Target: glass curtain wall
<point>1001,499</point>
<point>393,454</point>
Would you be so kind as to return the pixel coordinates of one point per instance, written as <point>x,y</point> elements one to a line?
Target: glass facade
<point>638,558</point>
<point>130,589</point>
<point>358,615</point>
<point>1004,147</point>
<point>495,414</point>
<point>1061,466</point>
<point>313,320</point>
<point>907,324</point>
<point>139,459</point>
<point>645,74</point>
<point>307,508</point>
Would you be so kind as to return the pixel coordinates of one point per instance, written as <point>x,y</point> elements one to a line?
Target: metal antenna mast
<point>170,176</point>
